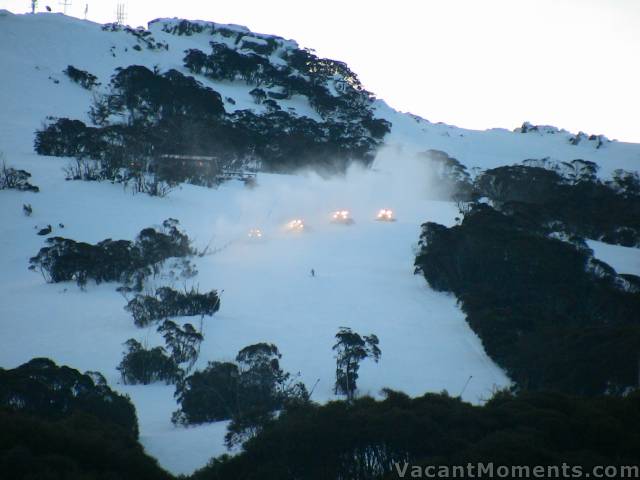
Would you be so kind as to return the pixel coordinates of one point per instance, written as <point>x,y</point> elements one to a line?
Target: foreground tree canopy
<point>365,439</point>
<point>40,387</point>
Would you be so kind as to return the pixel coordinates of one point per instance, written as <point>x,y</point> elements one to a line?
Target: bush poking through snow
<point>81,77</point>
<point>111,260</point>
<point>167,303</point>
<point>145,366</point>
<point>10,178</point>
<point>247,392</point>
<point>142,35</point>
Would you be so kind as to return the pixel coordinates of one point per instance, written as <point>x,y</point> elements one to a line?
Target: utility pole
<point>34,5</point>
<point>86,10</point>
<point>65,5</point>
<point>121,16</point>
<point>465,385</point>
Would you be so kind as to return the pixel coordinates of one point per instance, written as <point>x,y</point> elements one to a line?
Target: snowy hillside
<point>36,50</point>
<point>364,272</point>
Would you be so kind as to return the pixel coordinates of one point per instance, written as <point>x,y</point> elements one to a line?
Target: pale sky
<point>477,64</point>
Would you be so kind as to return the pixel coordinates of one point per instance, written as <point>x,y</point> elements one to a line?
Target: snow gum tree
<point>351,349</point>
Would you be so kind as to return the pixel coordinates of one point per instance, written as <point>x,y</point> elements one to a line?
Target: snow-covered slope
<point>622,259</point>
<point>364,272</point>
<point>363,280</point>
<point>483,149</point>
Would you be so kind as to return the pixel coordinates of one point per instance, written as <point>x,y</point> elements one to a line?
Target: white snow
<point>363,280</point>
<point>622,259</point>
<point>495,147</point>
<point>364,276</point>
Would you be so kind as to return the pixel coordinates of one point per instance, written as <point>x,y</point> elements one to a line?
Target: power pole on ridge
<point>65,5</point>
<point>121,16</point>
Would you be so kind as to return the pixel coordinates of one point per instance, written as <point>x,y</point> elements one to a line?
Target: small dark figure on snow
<point>45,231</point>
<point>27,209</point>
<point>313,272</point>
<point>61,225</point>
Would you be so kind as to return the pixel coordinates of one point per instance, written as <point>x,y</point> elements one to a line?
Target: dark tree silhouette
<point>351,349</point>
